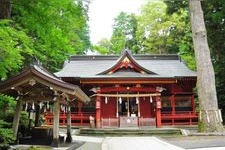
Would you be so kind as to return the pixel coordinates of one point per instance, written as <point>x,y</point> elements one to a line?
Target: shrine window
<point>183,103</point>
<point>166,103</point>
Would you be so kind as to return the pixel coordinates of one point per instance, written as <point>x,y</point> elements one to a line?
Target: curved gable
<point>38,75</point>
<point>126,63</point>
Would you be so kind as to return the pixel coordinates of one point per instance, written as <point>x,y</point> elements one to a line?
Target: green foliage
<point>23,125</point>
<point>58,28</point>
<point>7,105</point>
<point>159,32</point>
<point>124,36</point>
<point>103,47</point>
<point>47,30</point>
<point>124,33</point>
<point>15,45</point>
<point>6,136</point>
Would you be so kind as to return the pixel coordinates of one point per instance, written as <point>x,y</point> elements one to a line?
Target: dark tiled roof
<point>89,66</point>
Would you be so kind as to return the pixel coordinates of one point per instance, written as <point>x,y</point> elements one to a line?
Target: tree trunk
<point>5,9</point>
<point>210,119</point>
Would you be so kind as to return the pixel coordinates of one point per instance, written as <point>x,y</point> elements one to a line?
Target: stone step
<point>123,132</point>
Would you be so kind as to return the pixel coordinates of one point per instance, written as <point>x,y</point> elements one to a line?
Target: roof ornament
<point>36,61</point>
<point>32,82</point>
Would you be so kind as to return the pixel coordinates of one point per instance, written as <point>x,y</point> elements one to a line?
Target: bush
<point>23,125</point>
<point>6,136</point>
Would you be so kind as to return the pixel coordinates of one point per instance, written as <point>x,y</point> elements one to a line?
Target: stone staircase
<point>130,132</point>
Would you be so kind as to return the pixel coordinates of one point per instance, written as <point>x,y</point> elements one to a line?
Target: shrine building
<point>130,90</point>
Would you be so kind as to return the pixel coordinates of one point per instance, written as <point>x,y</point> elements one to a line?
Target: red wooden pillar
<point>173,107</point>
<point>158,112</point>
<point>98,110</point>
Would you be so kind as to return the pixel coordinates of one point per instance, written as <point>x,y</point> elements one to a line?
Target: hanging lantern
<point>151,99</point>
<point>106,100</point>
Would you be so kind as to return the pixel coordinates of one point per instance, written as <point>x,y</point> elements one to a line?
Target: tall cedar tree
<point>209,115</point>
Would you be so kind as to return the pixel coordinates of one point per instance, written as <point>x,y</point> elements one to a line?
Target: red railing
<point>77,119</point>
<point>179,118</point>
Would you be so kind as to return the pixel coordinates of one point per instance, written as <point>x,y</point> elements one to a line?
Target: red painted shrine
<point>131,90</point>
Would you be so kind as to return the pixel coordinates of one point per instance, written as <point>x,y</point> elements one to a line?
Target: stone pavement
<point>136,143</point>
<point>91,143</point>
<point>132,143</point>
<point>143,143</point>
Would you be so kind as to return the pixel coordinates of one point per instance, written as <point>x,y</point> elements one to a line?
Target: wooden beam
<point>16,118</point>
<point>69,137</point>
<point>55,142</point>
<point>127,95</point>
<point>124,81</point>
<point>125,89</point>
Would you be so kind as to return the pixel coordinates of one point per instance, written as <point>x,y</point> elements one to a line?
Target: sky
<point>103,12</point>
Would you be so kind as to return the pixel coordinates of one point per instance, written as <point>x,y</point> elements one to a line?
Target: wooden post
<point>37,115</point>
<point>128,107</point>
<point>173,107</point>
<point>55,142</point>
<point>158,112</point>
<point>16,118</point>
<point>117,109</point>
<point>98,110</point>
<point>139,113</point>
<point>69,137</point>
<point>80,105</point>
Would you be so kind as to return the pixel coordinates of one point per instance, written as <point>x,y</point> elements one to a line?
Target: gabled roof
<point>100,67</point>
<point>126,61</point>
<point>38,75</point>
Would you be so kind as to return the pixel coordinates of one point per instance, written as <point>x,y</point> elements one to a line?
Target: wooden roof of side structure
<point>37,83</point>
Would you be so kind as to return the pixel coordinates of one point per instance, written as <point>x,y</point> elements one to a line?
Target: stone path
<point>136,143</point>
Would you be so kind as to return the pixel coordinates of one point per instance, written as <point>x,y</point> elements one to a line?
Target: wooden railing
<point>110,122</point>
<point>179,118</point>
<point>146,122</point>
<point>77,119</point>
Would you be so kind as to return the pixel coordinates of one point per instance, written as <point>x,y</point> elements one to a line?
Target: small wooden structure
<point>36,85</point>
<point>132,90</point>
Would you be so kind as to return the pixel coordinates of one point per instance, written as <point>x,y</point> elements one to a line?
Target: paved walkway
<point>136,143</point>
<point>143,143</point>
<point>133,143</point>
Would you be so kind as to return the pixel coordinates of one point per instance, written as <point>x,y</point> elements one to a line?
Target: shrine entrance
<point>128,111</point>
<point>128,107</point>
